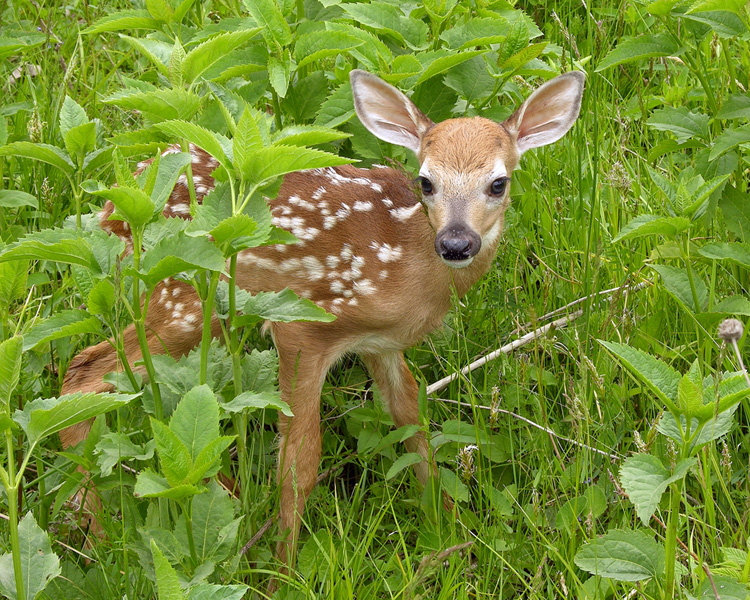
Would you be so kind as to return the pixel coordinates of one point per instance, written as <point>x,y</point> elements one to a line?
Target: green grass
<point>534,495</point>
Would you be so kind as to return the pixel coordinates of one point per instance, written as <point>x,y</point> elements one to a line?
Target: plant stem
<point>208,313</point>
<point>188,511</point>
<point>15,545</point>
<point>670,543</point>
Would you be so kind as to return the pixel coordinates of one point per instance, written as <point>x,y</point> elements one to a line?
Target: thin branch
<point>515,344</point>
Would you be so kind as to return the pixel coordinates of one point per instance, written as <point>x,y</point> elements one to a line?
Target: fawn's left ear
<point>548,113</point>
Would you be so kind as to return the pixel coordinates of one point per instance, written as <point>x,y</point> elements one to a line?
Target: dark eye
<point>426,185</point>
<point>498,186</point>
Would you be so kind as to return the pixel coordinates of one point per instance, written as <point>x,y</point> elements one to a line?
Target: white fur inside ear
<point>549,112</point>
<point>386,112</point>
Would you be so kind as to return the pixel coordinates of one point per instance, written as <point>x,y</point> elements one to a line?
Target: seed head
<point>731,330</point>
<point>465,461</point>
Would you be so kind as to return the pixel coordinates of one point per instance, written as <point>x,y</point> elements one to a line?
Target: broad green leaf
<point>623,555</point>
<point>268,16</point>
<point>80,141</point>
<point>337,109</point>
<point>247,139</point>
<point>207,462</point>
<point>131,205</point>
<point>279,74</point>
<point>519,59</point>
<point>451,484</point>
<point>689,396</point>
<point>45,153</point>
<point>211,512</point>
<point>470,79</point>
<point>736,106</point>
<point>267,163</point>
<point>158,105</point>
<point>11,352</point>
<point>700,433</point>
<point>645,225</point>
<point>179,253</point>
<point>661,8</point>
<point>388,19</point>
<point>735,252</point>
<point>682,122</point>
<point>150,485</point>
<point>13,276</point>
<point>724,23</point>
<point>658,376</point>
<point>395,436</point>
<point>174,456</point>
<point>38,563</point>
<point>318,45</point>
<point>237,232</point>
<point>167,582</point>
<point>736,208</point>
<point>257,400</point>
<point>157,51</point>
<point>215,144</point>
<point>641,47</point>
<point>729,139</point>
<point>60,325</point>
<point>307,135</point>
<point>259,371</point>
<point>16,199</point>
<point>160,10</point>
<point>402,462</point>
<point>677,283</point>
<point>477,31</point>
<point>169,170</point>
<point>71,115</point>
<point>285,306</point>
<point>591,503</point>
<point>125,20</point>
<point>733,305</point>
<point>443,64</point>
<point>304,99</point>
<point>645,479</point>
<point>211,591</point>
<point>43,417</point>
<point>58,245</point>
<point>195,421</point>
<point>201,58</point>
<point>729,588</point>
<point>114,447</point>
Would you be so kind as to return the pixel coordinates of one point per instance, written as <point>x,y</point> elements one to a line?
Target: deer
<point>382,252</point>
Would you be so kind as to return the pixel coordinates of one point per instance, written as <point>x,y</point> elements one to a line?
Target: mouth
<point>458,264</point>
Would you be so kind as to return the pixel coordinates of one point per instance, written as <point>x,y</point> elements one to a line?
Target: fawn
<point>370,251</point>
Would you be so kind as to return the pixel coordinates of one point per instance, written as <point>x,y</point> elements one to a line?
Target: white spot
<point>332,261</point>
<point>387,253</point>
<point>176,292</point>
<point>191,318</point>
<point>315,269</point>
<point>353,302</point>
<point>318,194</point>
<point>329,222</point>
<point>291,264</point>
<point>363,206</point>
<point>358,262</point>
<point>348,293</point>
<point>168,305</point>
<point>182,180</point>
<point>405,213</point>
<point>297,201</point>
<point>163,293</point>
<point>364,287</point>
<point>337,287</point>
<point>281,248</point>
<point>197,159</point>
<point>172,150</point>
<point>346,252</point>
<point>184,325</point>
<point>305,293</point>
<point>142,165</point>
<point>181,209</point>
<point>343,212</point>
<point>333,275</point>
<point>201,190</point>
<point>383,274</point>
<point>179,307</point>
<point>125,225</point>
<point>197,179</point>
<point>376,187</point>
<point>266,263</point>
<point>346,275</point>
<point>388,202</point>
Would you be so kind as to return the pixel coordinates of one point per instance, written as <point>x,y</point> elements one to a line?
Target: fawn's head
<point>466,164</point>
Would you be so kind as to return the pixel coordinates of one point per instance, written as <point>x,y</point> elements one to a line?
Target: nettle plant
<point>699,410</point>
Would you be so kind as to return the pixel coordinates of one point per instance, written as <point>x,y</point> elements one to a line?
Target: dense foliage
<point>607,459</point>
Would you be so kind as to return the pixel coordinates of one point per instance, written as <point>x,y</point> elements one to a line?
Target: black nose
<point>457,242</point>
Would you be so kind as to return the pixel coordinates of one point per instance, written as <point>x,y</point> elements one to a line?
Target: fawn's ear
<point>548,113</point>
<point>386,112</point>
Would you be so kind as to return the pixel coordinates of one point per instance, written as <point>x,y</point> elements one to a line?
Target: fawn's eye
<point>498,186</point>
<point>426,185</point>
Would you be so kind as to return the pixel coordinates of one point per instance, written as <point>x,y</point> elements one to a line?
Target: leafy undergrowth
<point>606,459</point>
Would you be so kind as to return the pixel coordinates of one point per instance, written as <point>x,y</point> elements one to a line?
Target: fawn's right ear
<point>386,112</point>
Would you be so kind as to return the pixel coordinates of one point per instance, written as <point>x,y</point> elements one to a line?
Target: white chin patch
<point>458,264</point>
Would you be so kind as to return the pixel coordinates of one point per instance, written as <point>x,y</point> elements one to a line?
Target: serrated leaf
<point>45,153</point>
<point>724,23</point>
<point>307,135</point>
<point>284,307</point>
<point>478,31</point>
<point>71,115</point>
<point>174,457</point>
<point>658,376</point>
<point>131,205</point>
<point>645,479</point>
<point>677,283</point>
<point>736,106</point>
<point>13,276</point>
<point>645,225</point>
<point>403,462</point>
<point>729,139</point>
<point>701,433</point>
<point>60,325</point>
<point>195,421</point>
<point>337,109</point>
<point>80,140</point>
<point>125,20</point>
<point>257,400</point>
<point>267,163</point>
<point>207,462</point>
<point>731,589</point>
<point>16,199</point>
<point>471,80</point>
<point>169,169</point>
<point>58,245</point>
<point>167,582</point>
<point>736,208</point>
<point>172,255</point>
<point>268,16</point>
<point>115,447</point>
<point>201,58</point>
<point>211,591</point>
<point>233,231</point>
<point>11,352</point>
<point>624,555</point>
<point>211,512</point>
<point>519,59</point>
<point>445,63</point>
<point>682,122</point>
<point>38,563</point>
<point>158,105</point>
<point>318,45</point>
<point>214,143</point>
<point>735,252</point>
<point>639,48</point>
<point>247,139</point>
<point>43,417</point>
<point>150,485</point>
<point>387,18</point>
